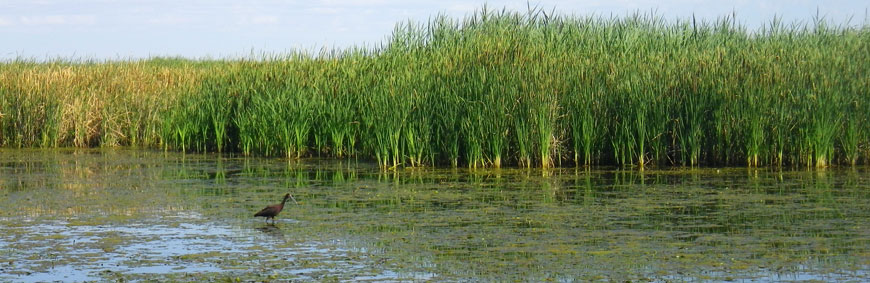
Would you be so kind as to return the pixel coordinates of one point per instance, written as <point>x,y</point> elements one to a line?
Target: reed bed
<point>495,88</point>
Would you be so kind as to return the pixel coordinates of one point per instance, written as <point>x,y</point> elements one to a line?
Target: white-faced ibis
<point>273,210</point>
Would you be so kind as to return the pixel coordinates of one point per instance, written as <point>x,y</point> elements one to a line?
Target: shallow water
<point>127,214</point>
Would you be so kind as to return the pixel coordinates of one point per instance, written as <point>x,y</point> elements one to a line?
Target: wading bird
<point>273,210</point>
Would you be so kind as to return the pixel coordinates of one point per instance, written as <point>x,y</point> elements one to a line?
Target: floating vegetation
<point>495,88</point>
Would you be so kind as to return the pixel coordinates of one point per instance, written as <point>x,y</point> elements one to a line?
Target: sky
<point>126,29</point>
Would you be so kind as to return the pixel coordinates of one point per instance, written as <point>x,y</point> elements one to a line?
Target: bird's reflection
<point>272,230</point>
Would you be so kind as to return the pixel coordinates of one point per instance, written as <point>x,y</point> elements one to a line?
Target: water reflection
<point>357,222</point>
<point>272,230</point>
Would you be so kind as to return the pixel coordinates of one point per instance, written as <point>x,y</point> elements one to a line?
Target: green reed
<point>494,88</point>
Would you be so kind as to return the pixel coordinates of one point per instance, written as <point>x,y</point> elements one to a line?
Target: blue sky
<point>122,29</point>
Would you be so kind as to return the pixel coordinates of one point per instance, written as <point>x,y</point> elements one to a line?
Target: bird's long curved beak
<point>294,200</point>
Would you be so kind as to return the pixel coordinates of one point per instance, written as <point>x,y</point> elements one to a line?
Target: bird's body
<point>273,210</point>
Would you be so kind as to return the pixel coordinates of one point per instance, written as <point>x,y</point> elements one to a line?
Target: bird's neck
<point>283,201</point>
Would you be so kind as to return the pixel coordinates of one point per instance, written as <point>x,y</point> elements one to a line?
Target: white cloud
<point>463,7</point>
<point>43,20</point>
<point>356,3</point>
<point>58,20</point>
<point>322,11</point>
<point>170,20</point>
<point>264,19</point>
<point>257,20</point>
<point>4,22</point>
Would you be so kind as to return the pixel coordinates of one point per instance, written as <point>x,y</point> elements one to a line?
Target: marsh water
<point>132,214</point>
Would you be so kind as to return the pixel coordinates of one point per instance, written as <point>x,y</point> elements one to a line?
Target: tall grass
<point>492,89</point>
